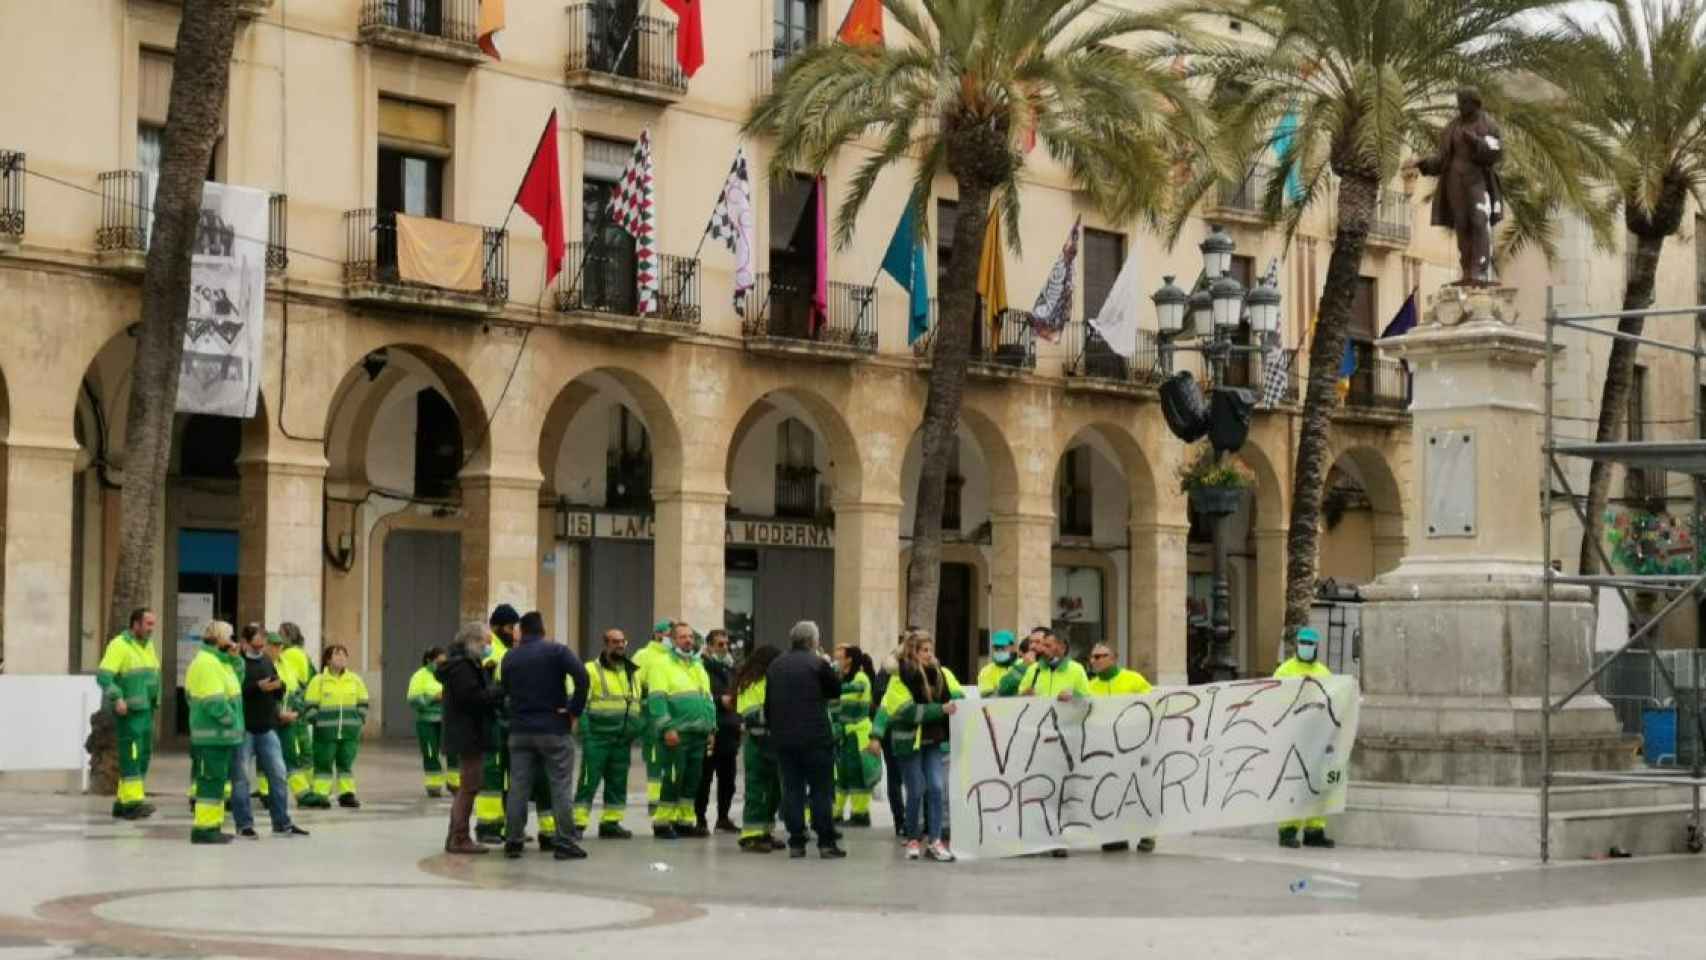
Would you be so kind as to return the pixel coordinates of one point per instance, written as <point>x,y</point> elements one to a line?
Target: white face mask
<point>1306,652</point>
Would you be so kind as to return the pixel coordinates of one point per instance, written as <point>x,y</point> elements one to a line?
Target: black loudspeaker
<point>1229,421</point>
<point>1183,407</point>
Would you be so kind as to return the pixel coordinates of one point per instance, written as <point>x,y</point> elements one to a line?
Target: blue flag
<point>904,261</point>
<point>1348,365</point>
<point>1404,320</point>
<point>1284,131</point>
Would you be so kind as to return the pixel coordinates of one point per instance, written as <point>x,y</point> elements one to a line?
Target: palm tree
<point>1641,85</point>
<point>967,82</point>
<point>201,70</point>
<point>1341,90</point>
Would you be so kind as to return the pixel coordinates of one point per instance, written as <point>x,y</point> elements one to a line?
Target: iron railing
<point>453,20</point>
<point>1245,196</point>
<point>278,249</point>
<point>1378,383</point>
<point>1014,343</point>
<point>605,38</point>
<point>11,193</point>
<point>1289,389</point>
<point>1092,358</point>
<point>1391,218</point>
<point>796,492</point>
<point>785,310</point>
<point>766,64</point>
<point>370,256</point>
<point>601,279</point>
<point>1646,487</point>
<point>125,209</point>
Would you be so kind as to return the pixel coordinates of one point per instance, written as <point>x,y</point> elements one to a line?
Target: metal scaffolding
<point>1682,456</point>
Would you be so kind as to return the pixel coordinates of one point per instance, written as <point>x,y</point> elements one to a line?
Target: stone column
<point>1022,570</point>
<point>1268,596</point>
<point>1157,601</point>
<point>500,542</point>
<point>1451,666</point>
<point>691,536</point>
<point>281,536</point>
<point>37,614</point>
<point>867,575</point>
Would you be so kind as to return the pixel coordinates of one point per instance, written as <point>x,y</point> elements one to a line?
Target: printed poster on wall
<point>223,339</point>
<point>195,610</point>
<point>1030,774</point>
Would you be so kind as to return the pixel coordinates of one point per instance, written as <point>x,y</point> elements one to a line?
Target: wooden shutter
<point>1103,254</point>
<point>153,87</point>
<point>417,126</point>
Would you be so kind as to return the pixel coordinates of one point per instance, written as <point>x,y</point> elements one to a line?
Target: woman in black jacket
<point>470,696</point>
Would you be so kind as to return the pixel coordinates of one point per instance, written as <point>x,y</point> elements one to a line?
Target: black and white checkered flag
<point>732,226</point>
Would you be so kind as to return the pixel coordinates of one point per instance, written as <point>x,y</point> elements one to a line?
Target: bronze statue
<point>1468,199</point>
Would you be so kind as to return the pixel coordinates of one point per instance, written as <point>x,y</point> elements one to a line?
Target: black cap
<point>532,624</point>
<point>504,615</point>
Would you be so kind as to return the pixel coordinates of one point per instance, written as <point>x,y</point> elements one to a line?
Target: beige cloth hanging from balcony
<point>440,253</point>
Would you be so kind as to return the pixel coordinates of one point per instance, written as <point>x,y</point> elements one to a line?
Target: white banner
<point>1031,775</point>
<point>221,371</point>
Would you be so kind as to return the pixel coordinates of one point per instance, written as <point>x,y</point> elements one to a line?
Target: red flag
<point>863,25</point>
<point>690,36</point>
<point>541,197</point>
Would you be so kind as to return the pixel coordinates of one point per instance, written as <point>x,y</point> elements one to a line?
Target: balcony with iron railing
<point>597,290</point>
<point>443,29</point>
<point>615,52</point>
<point>1009,351</point>
<point>797,493</point>
<point>1093,366</point>
<point>785,322</point>
<point>1646,489</point>
<point>1241,199</point>
<point>1390,226</point>
<point>11,199</point>
<point>1379,385</point>
<point>373,273</point>
<point>127,217</point>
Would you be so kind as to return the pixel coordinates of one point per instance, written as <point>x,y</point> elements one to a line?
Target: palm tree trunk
<point>1326,351</point>
<point>949,357</point>
<point>1614,395</point>
<point>200,72</point>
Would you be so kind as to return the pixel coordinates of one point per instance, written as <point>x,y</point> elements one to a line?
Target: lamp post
<point>1210,315</point>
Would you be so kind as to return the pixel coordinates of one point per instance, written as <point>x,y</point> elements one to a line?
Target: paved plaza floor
<point>373,884</point>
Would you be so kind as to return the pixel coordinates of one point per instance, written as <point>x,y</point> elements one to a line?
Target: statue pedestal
<point>1451,648</point>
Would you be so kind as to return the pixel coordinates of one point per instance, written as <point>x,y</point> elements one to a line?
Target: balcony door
<point>611,42</point>
<point>1104,253</point>
<point>793,255</point>
<point>607,271</point>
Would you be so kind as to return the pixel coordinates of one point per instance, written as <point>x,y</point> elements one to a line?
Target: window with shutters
<point>414,149</point>
<point>605,262</point>
<point>153,96</point>
<point>793,255</point>
<point>795,27</point>
<point>1362,331</point>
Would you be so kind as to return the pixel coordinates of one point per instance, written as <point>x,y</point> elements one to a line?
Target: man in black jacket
<point>541,717</point>
<point>720,667</point>
<point>263,691</point>
<point>799,688</point>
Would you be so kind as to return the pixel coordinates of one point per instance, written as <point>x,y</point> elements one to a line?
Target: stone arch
<point>372,381</point>
<point>1368,470</point>
<point>846,466</point>
<point>633,390</point>
<point>1269,509</point>
<point>1119,445</point>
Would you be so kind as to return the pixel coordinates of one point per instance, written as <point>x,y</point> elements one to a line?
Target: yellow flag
<point>991,281</point>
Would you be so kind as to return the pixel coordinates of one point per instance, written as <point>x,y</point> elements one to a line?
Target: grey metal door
<point>423,586</point>
<point>795,585</point>
<point>616,592</point>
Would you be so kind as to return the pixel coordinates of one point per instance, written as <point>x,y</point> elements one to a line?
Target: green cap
<point>274,640</point>
<point>1307,635</point>
<point>1002,638</point>
<point>663,626</point>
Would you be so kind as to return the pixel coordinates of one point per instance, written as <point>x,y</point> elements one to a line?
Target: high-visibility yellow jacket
<point>295,659</point>
<point>1297,668</point>
<point>1046,681</point>
<point>130,671</point>
<point>750,705</point>
<point>678,695</point>
<point>998,680</point>
<point>1114,681</point>
<point>426,696</point>
<point>646,656</point>
<point>902,718</point>
<point>216,701</point>
<point>337,704</point>
<point>615,707</point>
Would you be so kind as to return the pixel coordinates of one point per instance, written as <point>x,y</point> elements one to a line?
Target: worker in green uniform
<point>683,717</point>
<point>1004,663</point>
<point>426,699</point>
<point>852,725</point>
<point>337,707</point>
<point>1054,674</point>
<point>494,775</point>
<point>763,779</point>
<point>1304,663</point>
<point>129,677</point>
<point>615,717</point>
<point>295,666</point>
<point>295,762</point>
<point>649,752</point>
<point>216,728</point>
<point>1109,679</point>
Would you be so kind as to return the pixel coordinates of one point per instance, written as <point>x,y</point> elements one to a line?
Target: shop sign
<point>592,525</point>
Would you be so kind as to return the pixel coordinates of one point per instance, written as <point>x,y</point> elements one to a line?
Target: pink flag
<point>820,283</point>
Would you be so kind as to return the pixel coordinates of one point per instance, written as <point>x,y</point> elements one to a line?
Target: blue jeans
<point>926,776</point>
<point>265,748</point>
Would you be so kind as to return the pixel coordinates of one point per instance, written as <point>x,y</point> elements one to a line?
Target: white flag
<point>1117,320</point>
<point>220,372</point>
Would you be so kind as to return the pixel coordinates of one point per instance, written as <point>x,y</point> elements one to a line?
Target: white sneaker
<point>912,849</point>
<point>940,853</point>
